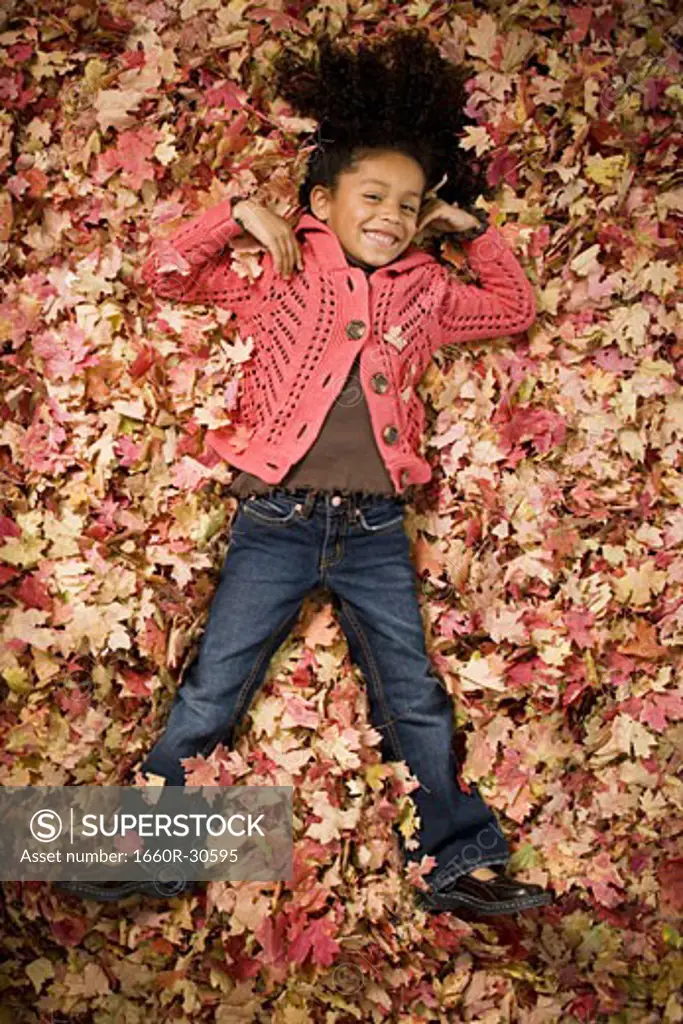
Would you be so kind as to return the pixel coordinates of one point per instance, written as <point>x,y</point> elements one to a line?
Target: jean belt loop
<point>308,504</point>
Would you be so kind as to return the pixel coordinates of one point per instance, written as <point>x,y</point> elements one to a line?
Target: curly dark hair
<point>388,93</point>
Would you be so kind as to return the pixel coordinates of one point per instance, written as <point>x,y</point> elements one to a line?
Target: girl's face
<point>375,212</point>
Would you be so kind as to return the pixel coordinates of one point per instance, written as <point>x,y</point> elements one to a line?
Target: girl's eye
<point>405,205</point>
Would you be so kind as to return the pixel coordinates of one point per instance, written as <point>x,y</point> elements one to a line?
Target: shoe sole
<point>91,892</point>
<point>438,904</point>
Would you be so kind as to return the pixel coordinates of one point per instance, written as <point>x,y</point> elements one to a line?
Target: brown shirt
<point>344,457</point>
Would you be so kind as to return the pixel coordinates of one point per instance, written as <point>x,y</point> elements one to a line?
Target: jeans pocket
<point>270,510</point>
<point>382,517</point>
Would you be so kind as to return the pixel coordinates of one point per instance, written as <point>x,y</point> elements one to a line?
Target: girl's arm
<point>504,302</point>
<point>191,266</point>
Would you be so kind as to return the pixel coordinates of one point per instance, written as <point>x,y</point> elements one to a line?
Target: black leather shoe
<point>107,892</point>
<point>501,895</point>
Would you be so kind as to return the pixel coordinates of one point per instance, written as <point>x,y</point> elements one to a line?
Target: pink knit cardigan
<point>307,332</point>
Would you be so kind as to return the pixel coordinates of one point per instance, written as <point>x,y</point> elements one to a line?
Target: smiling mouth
<point>381,239</point>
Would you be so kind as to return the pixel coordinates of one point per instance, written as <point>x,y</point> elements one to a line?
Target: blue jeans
<point>282,546</point>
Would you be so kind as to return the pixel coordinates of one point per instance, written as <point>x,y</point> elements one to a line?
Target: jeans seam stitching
<point>263,520</point>
<point>383,526</point>
<point>374,674</point>
<point>266,648</point>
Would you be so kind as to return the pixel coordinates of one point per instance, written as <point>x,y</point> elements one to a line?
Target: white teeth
<point>386,240</point>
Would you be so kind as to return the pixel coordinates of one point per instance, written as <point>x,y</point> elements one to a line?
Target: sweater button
<point>390,435</point>
<point>380,384</point>
<point>355,329</point>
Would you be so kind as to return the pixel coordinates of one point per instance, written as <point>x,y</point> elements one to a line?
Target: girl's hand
<point>444,217</point>
<point>272,231</point>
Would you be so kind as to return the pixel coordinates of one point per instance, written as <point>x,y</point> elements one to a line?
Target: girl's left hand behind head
<point>444,217</point>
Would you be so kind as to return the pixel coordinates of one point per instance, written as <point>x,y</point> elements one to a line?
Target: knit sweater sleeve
<point>193,266</point>
<point>503,303</point>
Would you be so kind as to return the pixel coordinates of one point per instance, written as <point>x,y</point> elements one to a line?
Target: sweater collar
<point>359,263</point>
<point>330,254</point>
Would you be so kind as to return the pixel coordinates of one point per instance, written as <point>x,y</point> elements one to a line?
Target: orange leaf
<point>425,558</point>
<point>645,645</point>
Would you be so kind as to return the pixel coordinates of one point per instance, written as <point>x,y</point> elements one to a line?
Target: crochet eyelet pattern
<point>308,330</point>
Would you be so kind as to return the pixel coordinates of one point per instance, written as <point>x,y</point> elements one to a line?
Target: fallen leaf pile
<point>549,543</point>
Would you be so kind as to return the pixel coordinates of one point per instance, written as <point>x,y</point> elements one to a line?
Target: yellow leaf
<point>605,170</point>
<point>58,736</point>
<point>517,46</point>
<point>672,200</point>
<point>629,324</point>
<point>50,65</point>
<point>550,296</point>
<point>476,137</point>
<point>17,679</point>
<point>95,73</point>
<point>419,9</point>
<point>336,748</point>
<point>334,819</point>
<point>89,981</point>
<point>407,818</point>
<point>591,672</point>
<point>25,550</point>
<point>295,1015</point>
<point>632,443</point>
<point>478,674</point>
<point>375,773</point>
<point>638,584</point>
<point>191,7</point>
<point>483,36</point>
<point>39,971</point>
<point>671,936</point>
<point>659,277</point>
<point>265,715</point>
<point>587,261</point>
<point>525,856</point>
<point>114,107</point>
<point>674,92</point>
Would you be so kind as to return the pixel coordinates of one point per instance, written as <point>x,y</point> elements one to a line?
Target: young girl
<point>345,318</point>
